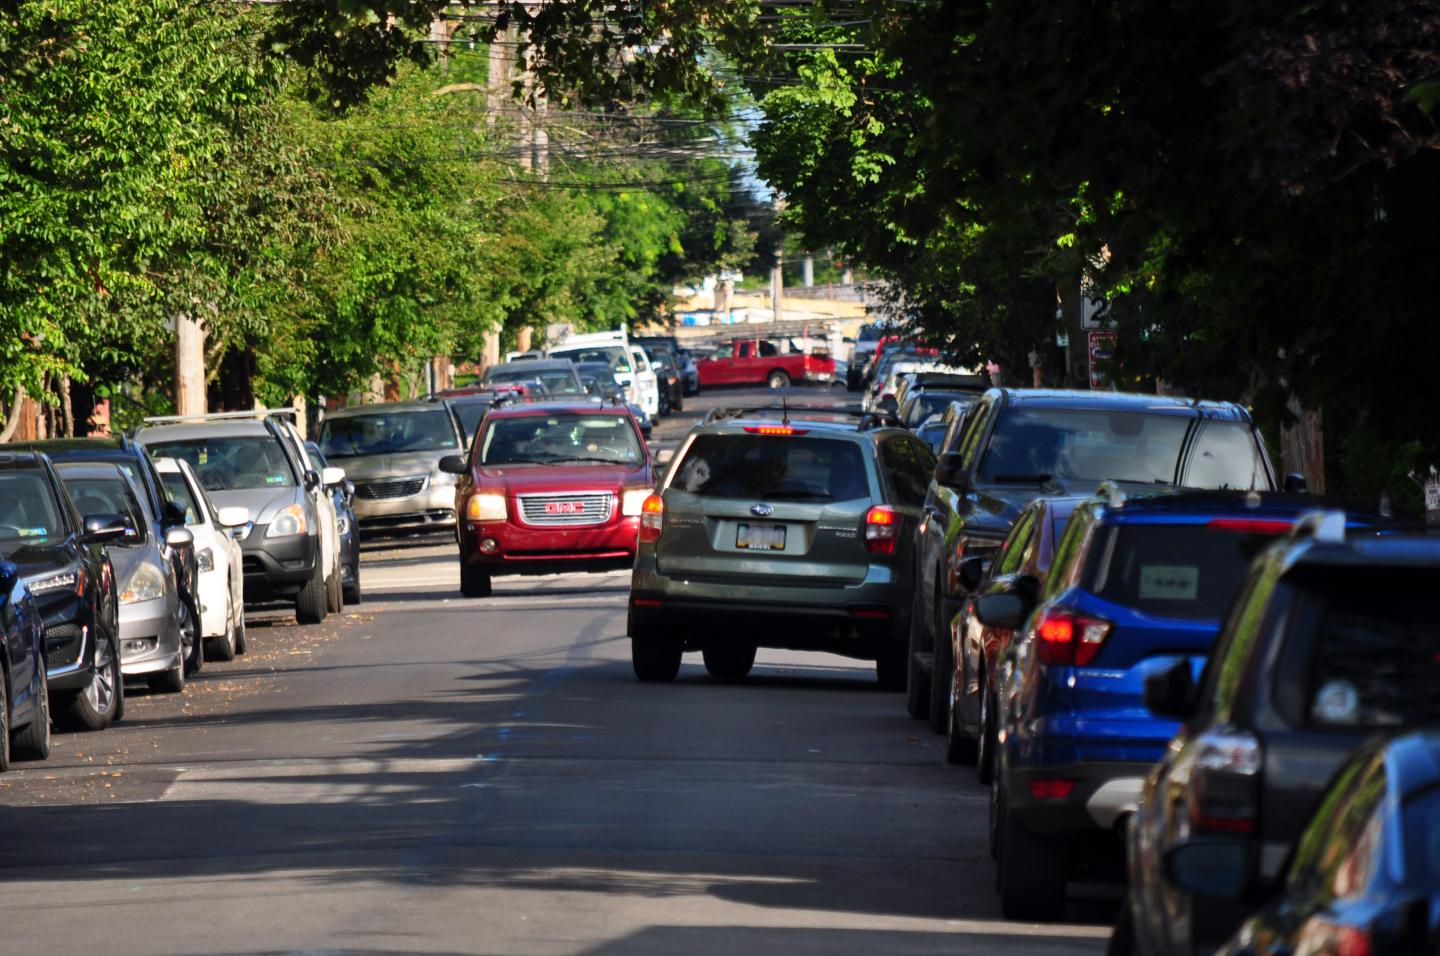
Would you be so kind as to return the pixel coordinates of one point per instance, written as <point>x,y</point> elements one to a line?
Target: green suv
<point>780,527</point>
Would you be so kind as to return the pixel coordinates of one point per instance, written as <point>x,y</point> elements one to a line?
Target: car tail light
<point>1065,637</point>
<point>1223,796</point>
<point>882,525</point>
<point>774,430</point>
<point>1252,525</point>
<point>1322,936</point>
<point>652,518</point>
<point>1051,789</point>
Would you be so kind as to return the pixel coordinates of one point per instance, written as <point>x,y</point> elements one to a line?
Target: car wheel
<point>917,682</point>
<point>240,644</point>
<point>4,721</point>
<point>1032,873</point>
<point>778,379</point>
<point>334,592</point>
<point>222,648</point>
<point>941,681</point>
<point>474,583</point>
<point>730,662</point>
<point>655,661</point>
<point>352,591</point>
<point>33,743</point>
<point>190,638</point>
<point>960,747</point>
<point>312,603</point>
<point>98,705</point>
<point>985,746</point>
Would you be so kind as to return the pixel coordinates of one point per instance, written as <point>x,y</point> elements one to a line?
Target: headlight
<point>205,559</point>
<point>289,520</point>
<point>146,584</point>
<point>631,500</point>
<point>66,580</point>
<point>485,508</point>
<point>440,478</point>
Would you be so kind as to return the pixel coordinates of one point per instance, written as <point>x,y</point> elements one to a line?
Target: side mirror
<point>1296,482</point>
<point>453,464</point>
<point>179,538</point>
<point>950,472</point>
<point>1216,868</point>
<point>312,479</point>
<point>1171,692</point>
<point>332,476</point>
<point>664,456</point>
<point>102,529</point>
<point>972,572</point>
<point>1002,609</point>
<point>233,516</point>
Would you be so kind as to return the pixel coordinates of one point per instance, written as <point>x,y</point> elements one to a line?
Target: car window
<point>1239,637</point>
<point>1068,552</point>
<point>387,433</point>
<point>109,496</point>
<point>904,471</point>
<point>763,467</point>
<point>28,515</point>
<point>232,462</point>
<point>1018,544</point>
<point>1420,851</point>
<point>612,355</point>
<point>178,490</point>
<point>933,434</point>
<point>1336,854</point>
<point>560,381</point>
<point>1226,455</point>
<point>1376,660</point>
<point>1030,444</point>
<point>470,415</point>
<point>548,439</point>
<point>969,443</point>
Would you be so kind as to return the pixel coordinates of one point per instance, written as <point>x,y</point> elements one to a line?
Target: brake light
<point>1252,525</point>
<point>652,518</point>
<point>882,525</point>
<point>774,430</point>
<point>1067,638</point>
<point>1222,796</point>
<point>1051,789</point>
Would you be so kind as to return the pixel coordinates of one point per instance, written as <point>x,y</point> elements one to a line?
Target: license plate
<point>760,537</point>
<point>564,508</point>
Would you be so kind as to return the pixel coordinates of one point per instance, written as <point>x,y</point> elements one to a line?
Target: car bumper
<point>433,506</point>
<point>214,603</point>
<point>1102,797</point>
<point>149,637</point>
<point>69,653</point>
<point>278,567</point>
<point>523,550</point>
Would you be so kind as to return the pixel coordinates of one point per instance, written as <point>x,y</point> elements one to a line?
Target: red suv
<point>550,487</point>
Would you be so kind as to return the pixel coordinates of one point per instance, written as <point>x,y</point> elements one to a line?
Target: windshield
<point>28,515</point>
<point>1178,571</point>
<point>548,439</point>
<point>387,433</point>
<point>560,381</point>
<point>765,467</point>
<point>925,404</point>
<point>470,415</point>
<point>612,355</point>
<point>933,434</point>
<point>108,496</point>
<point>232,463</point>
<point>1034,445</point>
<point>178,490</point>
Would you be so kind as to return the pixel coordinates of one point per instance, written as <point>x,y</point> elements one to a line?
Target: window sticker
<point>1337,702</point>
<point>1169,582</point>
<point>32,532</point>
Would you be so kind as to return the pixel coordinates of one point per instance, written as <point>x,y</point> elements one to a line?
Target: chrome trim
<point>590,501</point>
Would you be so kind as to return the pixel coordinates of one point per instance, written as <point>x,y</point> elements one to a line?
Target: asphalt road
<point>430,774</point>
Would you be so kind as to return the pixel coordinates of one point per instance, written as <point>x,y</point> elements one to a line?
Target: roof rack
<point>1113,494</point>
<point>1325,527</point>
<point>741,411</point>
<point>221,416</point>
<point>880,420</point>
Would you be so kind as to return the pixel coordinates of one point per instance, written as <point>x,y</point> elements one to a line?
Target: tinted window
<point>905,471</point>
<point>612,355</point>
<point>1376,661</point>
<point>775,468</point>
<point>1030,444</point>
<point>387,433</point>
<point>560,381</point>
<point>1421,849</point>
<point>1067,552</point>
<point>969,444</point>
<point>470,415</point>
<point>28,514</point>
<point>547,439</point>
<point>109,496</point>
<point>1226,456</point>
<point>925,404</point>
<point>178,491</point>
<point>1173,571</point>
<point>232,462</point>
<point>1018,545</point>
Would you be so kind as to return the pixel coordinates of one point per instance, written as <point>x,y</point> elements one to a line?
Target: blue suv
<point>1135,586</point>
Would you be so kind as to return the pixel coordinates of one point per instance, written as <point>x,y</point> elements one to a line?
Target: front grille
<point>383,488</point>
<point>567,509</point>
<point>63,644</point>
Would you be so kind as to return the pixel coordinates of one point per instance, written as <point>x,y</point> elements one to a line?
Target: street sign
<point>1091,318</point>
<point>1432,501</point>
<point>1102,346</point>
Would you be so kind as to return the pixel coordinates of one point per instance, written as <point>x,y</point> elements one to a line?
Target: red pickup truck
<point>751,362</point>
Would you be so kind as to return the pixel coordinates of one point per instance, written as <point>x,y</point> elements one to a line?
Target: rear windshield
<point>28,515</point>
<point>1032,445</point>
<point>775,468</point>
<point>470,415</point>
<point>931,403</point>
<point>560,381</point>
<point>108,496</point>
<point>612,355</point>
<point>1173,571</point>
<point>1377,661</point>
<point>561,439</point>
<point>387,433</point>
<point>233,462</point>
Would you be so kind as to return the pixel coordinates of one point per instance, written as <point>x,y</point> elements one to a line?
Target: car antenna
<point>784,410</point>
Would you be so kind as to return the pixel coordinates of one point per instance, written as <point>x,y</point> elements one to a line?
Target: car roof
<point>529,365</point>
<point>382,407</point>
<point>525,409</point>
<point>1397,551</point>
<point>25,458</point>
<point>1170,505</point>
<point>117,448</point>
<point>86,469</point>
<point>152,433</point>
<point>1118,401</point>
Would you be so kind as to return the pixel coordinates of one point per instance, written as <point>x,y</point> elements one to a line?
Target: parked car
<point>24,693</point>
<point>932,432</point>
<point>342,495</point>
<point>667,374</point>
<point>220,559</point>
<point>779,529</point>
<point>758,362</point>
<point>158,630</point>
<point>556,374</point>
<point>1365,875</point>
<point>600,383</point>
<point>1022,564</point>
<point>614,349</point>
<point>62,560</point>
<point>391,453</point>
<point>549,487</point>
<point>468,410</point>
<point>1330,639</point>
<point>684,361</point>
<point>258,462</point>
<point>1016,445</point>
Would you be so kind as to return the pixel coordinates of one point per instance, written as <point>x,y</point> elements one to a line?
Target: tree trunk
<point>189,366</point>
<point>1077,354</point>
<point>1302,447</point>
<point>12,415</point>
<point>67,410</point>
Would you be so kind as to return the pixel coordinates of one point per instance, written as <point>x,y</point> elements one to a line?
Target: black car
<point>921,403</point>
<point>347,526</point>
<point>24,697</point>
<point>1016,445</point>
<point>468,411</point>
<point>668,377</point>
<point>1328,641</point>
<point>61,558</point>
<point>1365,876</point>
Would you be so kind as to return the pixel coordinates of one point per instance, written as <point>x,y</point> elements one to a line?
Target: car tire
<point>4,720</point>
<point>33,743</point>
<point>98,705</point>
<point>729,661</point>
<point>353,594</point>
<point>1032,873</point>
<point>942,677</point>
<point>240,643</point>
<point>917,682</point>
<point>655,661</point>
<point>985,746</point>
<point>222,648</point>
<point>334,592</point>
<point>778,379</point>
<point>168,682</point>
<point>679,403</point>
<point>474,583</point>
<point>960,747</point>
<point>312,603</point>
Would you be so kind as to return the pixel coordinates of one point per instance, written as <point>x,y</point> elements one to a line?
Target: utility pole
<point>808,270</point>
<point>189,366</point>
<point>498,98</point>
<point>777,285</point>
